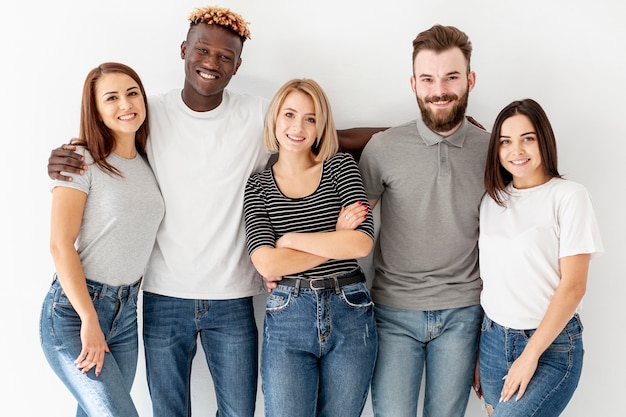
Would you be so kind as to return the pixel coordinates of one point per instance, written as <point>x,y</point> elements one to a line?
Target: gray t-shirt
<point>430,188</point>
<point>120,219</point>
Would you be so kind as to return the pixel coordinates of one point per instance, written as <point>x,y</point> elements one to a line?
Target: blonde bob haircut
<point>326,144</point>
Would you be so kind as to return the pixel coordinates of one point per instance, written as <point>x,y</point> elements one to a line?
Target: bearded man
<point>428,176</point>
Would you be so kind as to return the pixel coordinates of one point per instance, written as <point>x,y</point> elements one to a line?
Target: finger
<point>521,391</point>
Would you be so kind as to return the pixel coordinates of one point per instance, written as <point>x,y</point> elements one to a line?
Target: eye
<point>202,51</point>
<point>310,120</point>
<point>289,114</point>
<point>225,57</point>
<point>453,77</point>
<point>111,98</point>
<point>504,142</point>
<point>133,93</point>
<point>529,139</point>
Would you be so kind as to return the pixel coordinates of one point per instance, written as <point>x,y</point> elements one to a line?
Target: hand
<point>65,159</point>
<point>352,216</point>
<point>94,346</point>
<point>476,382</point>
<point>520,374</point>
<point>271,282</point>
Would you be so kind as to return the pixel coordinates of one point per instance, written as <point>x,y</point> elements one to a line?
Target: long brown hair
<point>96,136</point>
<point>496,177</point>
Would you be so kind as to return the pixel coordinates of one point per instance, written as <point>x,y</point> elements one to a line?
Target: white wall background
<point>568,55</point>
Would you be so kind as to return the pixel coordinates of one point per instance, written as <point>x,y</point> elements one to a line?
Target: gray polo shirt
<point>429,189</point>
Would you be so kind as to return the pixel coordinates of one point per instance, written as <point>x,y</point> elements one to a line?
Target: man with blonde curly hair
<point>205,141</point>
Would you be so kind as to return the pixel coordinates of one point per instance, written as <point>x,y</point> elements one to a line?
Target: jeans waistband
<point>325,283</point>
<point>121,292</point>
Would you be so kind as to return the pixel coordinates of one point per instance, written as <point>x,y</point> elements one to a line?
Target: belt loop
<point>296,291</point>
<point>337,288</point>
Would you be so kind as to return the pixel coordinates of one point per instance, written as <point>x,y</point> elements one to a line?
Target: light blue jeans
<point>59,329</point>
<point>443,343</point>
<point>318,353</point>
<point>229,338</point>
<point>554,381</point>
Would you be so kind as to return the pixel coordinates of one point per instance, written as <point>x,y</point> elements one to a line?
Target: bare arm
<point>567,296</point>
<point>297,252</point>
<point>67,212</point>
<point>65,159</point>
<point>354,140</point>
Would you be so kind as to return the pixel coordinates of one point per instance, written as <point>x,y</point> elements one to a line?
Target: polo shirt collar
<point>431,138</point>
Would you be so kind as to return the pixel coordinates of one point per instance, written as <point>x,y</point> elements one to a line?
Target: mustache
<point>445,97</point>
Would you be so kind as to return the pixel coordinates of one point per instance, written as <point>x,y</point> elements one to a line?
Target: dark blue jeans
<point>554,381</point>
<point>318,354</point>
<point>229,338</point>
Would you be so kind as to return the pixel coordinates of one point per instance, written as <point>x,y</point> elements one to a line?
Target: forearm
<point>341,244</point>
<point>72,278</point>
<point>275,262</point>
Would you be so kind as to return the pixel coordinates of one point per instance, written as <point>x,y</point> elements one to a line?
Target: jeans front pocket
<point>357,295</point>
<point>278,300</point>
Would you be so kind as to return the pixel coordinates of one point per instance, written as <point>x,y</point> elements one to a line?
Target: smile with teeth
<point>520,161</point>
<point>127,117</point>
<point>296,138</point>
<point>207,76</point>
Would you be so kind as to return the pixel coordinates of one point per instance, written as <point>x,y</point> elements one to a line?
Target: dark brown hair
<point>496,177</point>
<point>94,134</point>
<point>440,38</point>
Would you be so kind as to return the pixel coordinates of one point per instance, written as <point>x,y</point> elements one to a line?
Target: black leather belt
<point>325,283</point>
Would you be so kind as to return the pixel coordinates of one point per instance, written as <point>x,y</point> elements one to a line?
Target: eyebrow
<point>296,111</point>
<point>532,132</point>
<point>447,74</point>
<point>115,92</point>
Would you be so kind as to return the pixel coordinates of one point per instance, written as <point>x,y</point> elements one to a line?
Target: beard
<point>441,121</point>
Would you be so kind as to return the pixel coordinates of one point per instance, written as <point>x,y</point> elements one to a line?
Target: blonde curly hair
<point>213,15</point>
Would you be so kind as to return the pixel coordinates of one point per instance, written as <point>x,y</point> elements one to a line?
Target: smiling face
<point>441,84</point>
<point>519,152</point>
<point>296,129</point>
<point>120,104</point>
<point>212,56</point>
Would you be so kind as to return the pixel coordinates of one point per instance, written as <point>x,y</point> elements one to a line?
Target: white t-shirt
<point>202,161</point>
<point>520,246</point>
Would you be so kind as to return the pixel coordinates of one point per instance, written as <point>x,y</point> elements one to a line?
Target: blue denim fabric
<point>443,342</point>
<point>229,338</point>
<point>318,354</point>
<point>59,331</point>
<point>554,381</point>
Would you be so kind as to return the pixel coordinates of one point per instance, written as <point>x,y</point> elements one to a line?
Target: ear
<point>183,49</point>
<point>413,83</point>
<point>239,61</point>
<point>471,80</point>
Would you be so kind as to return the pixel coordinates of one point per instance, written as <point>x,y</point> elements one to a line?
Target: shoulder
<point>341,160</point>
<point>249,101</point>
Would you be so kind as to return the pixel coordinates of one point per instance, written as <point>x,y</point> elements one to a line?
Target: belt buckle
<point>312,280</point>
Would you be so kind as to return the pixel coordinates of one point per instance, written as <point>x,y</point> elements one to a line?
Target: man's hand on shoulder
<point>64,158</point>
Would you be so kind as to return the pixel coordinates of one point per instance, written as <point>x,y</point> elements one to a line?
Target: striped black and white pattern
<point>269,214</point>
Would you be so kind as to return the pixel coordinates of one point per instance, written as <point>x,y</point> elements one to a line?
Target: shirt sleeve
<point>579,231</point>
<point>351,190</point>
<point>259,230</point>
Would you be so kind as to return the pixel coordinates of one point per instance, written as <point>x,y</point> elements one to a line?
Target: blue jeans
<point>229,338</point>
<point>319,348</point>
<point>59,331</point>
<point>554,381</point>
<point>444,342</point>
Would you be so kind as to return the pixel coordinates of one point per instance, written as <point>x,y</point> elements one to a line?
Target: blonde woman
<point>307,221</point>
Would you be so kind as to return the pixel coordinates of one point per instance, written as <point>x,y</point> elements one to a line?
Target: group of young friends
<point>175,197</point>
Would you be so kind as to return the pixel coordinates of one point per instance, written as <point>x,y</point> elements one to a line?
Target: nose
<point>125,103</point>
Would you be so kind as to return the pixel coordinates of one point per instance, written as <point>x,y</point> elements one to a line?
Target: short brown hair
<point>440,38</point>
<point>327,143</point>
<point>496,177</point>
<point>220,16</point>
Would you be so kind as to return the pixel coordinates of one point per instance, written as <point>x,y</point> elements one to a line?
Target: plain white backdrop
<point>568,55</point>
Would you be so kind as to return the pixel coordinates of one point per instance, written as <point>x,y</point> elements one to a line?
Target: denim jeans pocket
<point>278,300</point>
<point>486,324</point>
<point>357,295</point>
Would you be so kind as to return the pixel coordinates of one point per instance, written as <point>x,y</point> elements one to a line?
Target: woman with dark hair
<point>103,227</point>
<point>538,233</point>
